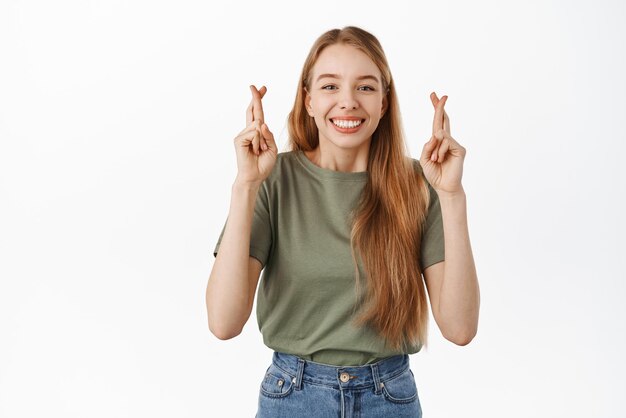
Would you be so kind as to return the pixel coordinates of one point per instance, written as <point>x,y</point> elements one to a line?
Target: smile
<point>347,124</point>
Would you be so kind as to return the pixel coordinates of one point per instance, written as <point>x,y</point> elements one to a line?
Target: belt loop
<point>299,374</point>
<point>377,387</point>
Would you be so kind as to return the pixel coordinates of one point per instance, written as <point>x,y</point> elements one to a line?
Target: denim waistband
<point>341,377</point>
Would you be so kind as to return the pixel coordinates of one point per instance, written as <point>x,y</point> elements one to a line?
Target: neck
<point>349,160</point>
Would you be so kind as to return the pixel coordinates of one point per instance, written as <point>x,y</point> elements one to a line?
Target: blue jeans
<point>294,387</point>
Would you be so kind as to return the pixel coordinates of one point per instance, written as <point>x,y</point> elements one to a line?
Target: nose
<point>347,100</point>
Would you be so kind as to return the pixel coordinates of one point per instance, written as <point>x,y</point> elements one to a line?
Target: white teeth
<point>346,123</point>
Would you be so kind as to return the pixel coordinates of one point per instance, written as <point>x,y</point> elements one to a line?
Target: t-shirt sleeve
<point>261,232</point>
<point>432,251</point>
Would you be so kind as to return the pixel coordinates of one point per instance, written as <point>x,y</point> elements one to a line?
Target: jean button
<point>344,377</point>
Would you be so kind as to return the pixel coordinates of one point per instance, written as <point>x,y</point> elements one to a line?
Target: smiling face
<point>346,96</point>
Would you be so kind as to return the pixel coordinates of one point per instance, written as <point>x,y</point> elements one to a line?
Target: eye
<point>367,88</point>
<point>326,87</point>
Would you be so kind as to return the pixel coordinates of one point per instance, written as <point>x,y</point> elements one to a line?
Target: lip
<point>347,130</point>
<point>347,118</point>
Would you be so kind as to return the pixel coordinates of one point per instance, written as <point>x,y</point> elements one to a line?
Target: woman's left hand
<point>442,157</point>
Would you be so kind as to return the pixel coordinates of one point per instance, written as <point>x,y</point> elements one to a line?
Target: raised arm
<point>452,284</point>
<point>234,276</point>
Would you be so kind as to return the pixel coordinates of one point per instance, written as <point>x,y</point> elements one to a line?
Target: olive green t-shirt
<point>301,235</point>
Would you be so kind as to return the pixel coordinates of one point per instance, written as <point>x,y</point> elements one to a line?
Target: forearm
<point>227,293</point>
<point>460,295</point>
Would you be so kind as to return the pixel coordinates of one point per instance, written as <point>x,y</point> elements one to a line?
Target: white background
<point>116,161</point>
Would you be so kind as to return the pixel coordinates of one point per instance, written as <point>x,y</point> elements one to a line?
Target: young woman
<point>343,226</point>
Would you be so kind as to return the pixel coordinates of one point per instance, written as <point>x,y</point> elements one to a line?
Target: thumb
<point>269,137</point>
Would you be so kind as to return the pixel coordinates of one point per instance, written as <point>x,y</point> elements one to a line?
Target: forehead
<point>344,60</point>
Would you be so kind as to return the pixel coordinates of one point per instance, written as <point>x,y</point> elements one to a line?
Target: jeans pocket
<point>401,388</point>
<point>276,382</point>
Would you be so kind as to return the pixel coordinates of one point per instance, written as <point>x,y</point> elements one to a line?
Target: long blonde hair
<point>388,220</point>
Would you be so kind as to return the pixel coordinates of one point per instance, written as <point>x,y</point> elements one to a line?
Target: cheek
<point>321,105</point>
<point>376,109</point>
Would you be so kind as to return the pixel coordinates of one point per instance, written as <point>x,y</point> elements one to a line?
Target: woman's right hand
<point>255,145</point>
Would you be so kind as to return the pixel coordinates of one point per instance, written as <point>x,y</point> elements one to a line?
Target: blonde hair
<point>391,212</point>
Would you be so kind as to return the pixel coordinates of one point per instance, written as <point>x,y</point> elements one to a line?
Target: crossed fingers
<point>255,110</point>
<point>444,142</point>
<point>441,120</point>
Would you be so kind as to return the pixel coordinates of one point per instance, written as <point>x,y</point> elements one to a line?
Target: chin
<point>348,144</point>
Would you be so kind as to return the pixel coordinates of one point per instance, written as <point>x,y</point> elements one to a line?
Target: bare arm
<point>453,284</point>
<point>234,276</point>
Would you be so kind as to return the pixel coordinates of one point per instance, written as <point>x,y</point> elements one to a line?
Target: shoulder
<point>284,161</point>
<point>416,165</point>
<point>286,158</point>
<point>285,165</point>
<point>418,169</point>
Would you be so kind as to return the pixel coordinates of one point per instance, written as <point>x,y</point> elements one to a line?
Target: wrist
<point>241,185</point>
<point>454,195</point>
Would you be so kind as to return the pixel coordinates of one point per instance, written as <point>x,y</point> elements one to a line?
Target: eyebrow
<point>363,77</point>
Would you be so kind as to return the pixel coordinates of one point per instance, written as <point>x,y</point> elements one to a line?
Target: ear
<point>307,102</point>
<point>384,107</point>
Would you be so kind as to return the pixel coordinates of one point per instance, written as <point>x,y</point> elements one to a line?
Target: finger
<point>249,117</point>
<point>256,137</point>
<point>428,148</point>
<point>246,141</point>
<point>435,153</point>
<point>439,114</point>
<point>255,124</point>
<point>246,135</point>
<point>434,99</point>
<point>446,119</point>
<point>438,118</point>
<point>446,122</point>
<point>268,137</point>
<point>439,137</point>
<point>249,114</point>
<point>443,149</point>
<point>265,134</point>
<point>447,136</point>
<point>454,147</point>
<point>257,109</point>
<point>262,139</point>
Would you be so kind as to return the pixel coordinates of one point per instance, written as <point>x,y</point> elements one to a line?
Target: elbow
<point>463,341</point>
<point>223,334</point>
<point>462,338</point>
<point>222,329</point>
<point>225,323</point>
